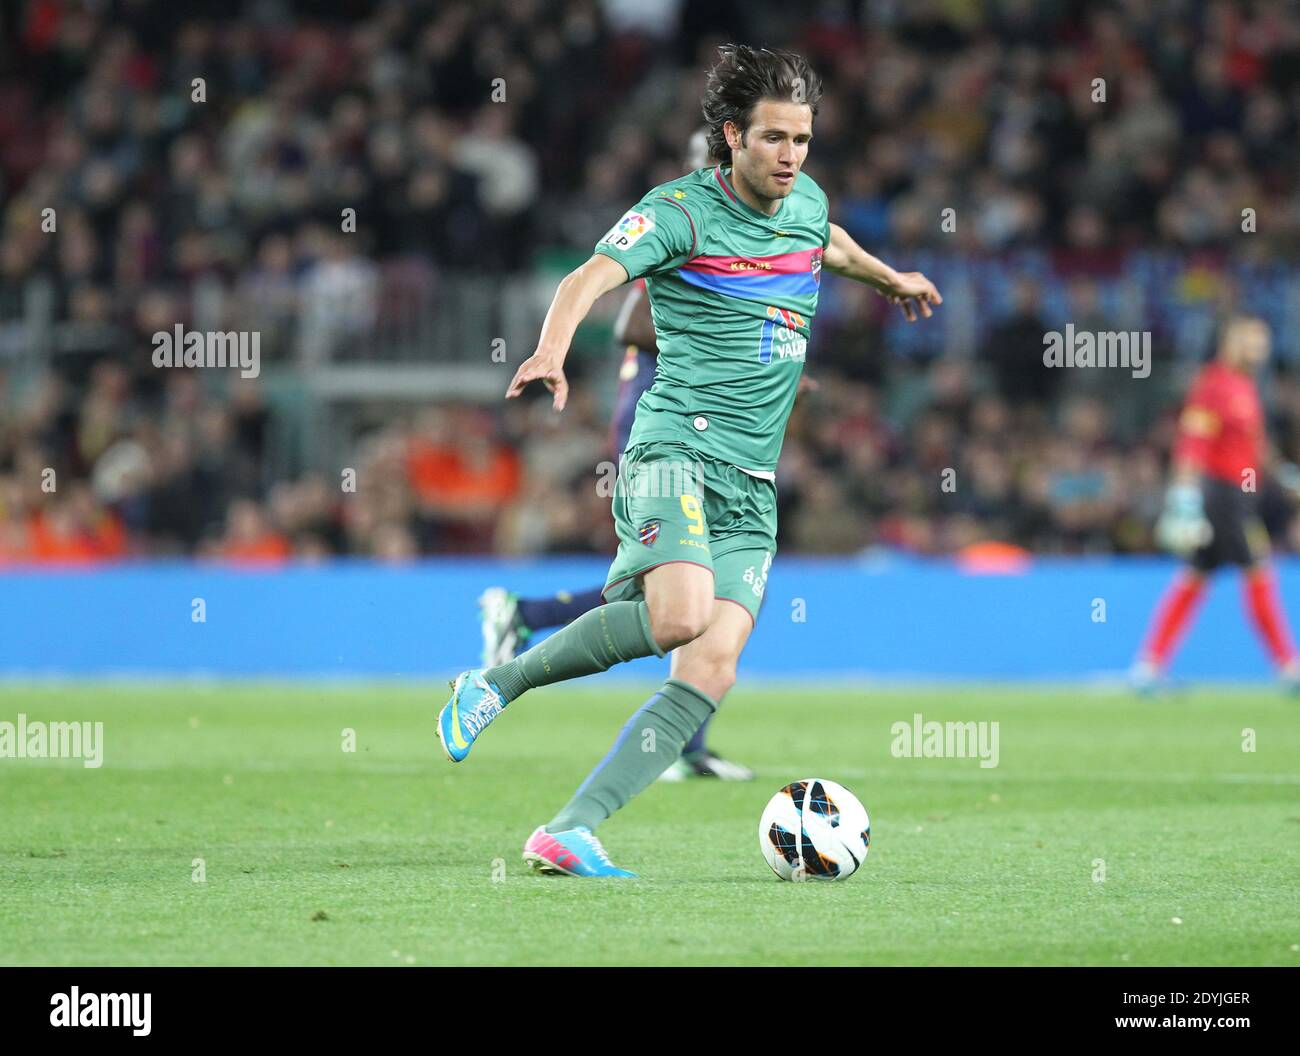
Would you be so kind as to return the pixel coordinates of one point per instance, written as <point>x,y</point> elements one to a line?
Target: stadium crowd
<point>459,478</point>
<point>1065,202</point>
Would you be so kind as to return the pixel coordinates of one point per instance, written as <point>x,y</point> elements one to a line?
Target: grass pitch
<point>1107,822</point>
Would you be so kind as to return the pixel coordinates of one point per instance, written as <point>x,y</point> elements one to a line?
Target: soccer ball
<point>814,830</point>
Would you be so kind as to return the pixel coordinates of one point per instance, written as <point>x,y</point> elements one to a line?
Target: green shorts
<point>673,504</point>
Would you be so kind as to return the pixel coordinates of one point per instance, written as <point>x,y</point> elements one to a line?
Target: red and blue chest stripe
<point>763,278</point>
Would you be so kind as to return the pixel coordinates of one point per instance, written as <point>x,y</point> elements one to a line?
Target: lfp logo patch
<point>649,532</point>
<point>625,233</point>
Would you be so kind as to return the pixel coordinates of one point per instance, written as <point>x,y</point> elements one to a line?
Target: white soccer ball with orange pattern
<point>814,830</point>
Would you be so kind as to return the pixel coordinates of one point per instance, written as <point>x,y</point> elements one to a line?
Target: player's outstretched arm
<point>577,292</point>
<point>910,290</point>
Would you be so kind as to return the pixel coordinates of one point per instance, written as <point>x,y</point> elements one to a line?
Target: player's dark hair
<point>742,77</point>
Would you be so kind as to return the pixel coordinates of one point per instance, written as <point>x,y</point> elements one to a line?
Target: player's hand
<point>806,384</point>
<point>1183,527</point>
<point>914,293</point>
<point>547,368</point>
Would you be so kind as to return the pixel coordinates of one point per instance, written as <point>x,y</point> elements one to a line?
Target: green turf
<point>387,855</point>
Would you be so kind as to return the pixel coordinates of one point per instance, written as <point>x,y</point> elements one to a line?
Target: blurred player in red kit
<point>1209,514</point>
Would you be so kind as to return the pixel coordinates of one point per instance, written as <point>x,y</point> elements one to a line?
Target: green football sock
<point>648,744</point>
<point>596,641</point>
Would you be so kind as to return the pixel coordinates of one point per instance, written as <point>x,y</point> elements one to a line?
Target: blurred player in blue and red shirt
<point>1209,515</point>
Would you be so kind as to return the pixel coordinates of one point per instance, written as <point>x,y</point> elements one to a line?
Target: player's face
<point>1250,344</point>
<point>773,149</point>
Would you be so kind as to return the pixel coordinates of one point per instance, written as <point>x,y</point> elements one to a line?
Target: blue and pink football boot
<point>574,852</point>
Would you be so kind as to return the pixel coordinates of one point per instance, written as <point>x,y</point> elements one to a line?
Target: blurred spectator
<point>250,539</point>
<point>1014,349</point>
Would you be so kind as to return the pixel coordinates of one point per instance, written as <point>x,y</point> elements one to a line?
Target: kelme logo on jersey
<point>625,233</point>
<point>649,532</point>
<point>779,338</point>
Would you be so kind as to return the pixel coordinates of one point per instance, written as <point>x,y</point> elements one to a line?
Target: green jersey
<point>732,293</point>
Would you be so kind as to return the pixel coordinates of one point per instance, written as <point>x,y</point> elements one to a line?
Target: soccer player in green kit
<point>732,257</point>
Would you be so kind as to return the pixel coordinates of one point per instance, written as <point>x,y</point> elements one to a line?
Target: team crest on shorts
<point>649,532</point>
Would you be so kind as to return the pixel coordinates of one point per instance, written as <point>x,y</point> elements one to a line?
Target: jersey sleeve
<point>655,235</point>
<point>1198,425</point>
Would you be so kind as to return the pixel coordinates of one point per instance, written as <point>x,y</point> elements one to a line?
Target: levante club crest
<point>649,532</point>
